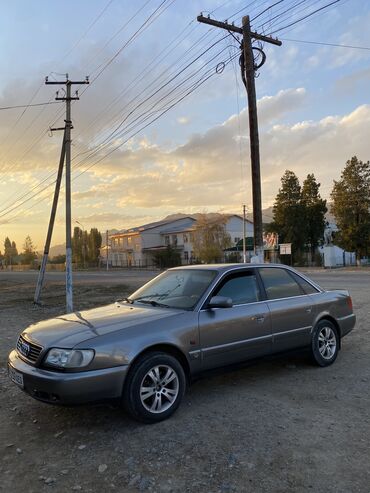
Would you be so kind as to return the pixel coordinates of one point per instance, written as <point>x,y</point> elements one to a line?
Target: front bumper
<point>69,388</point>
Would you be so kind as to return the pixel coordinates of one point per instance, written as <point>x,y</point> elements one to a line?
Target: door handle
<point>309,310</point>
<point>258,318</point>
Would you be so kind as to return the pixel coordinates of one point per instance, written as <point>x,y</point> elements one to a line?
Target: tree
<point>10,251</point>
<point>314,209</point>
<point>77,246</point>
<point>14,249</point>
<point>29,255</point>
<point>58,259</point>
<point>167,258</point>
<point>351,207</point>
<point>210,238</point>
<point>94,241</point>
<point>288,213</point>
<point>86,246</point>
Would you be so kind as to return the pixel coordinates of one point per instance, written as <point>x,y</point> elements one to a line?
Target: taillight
<point>350,304</point>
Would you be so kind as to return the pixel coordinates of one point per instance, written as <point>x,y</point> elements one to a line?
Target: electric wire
<point>54,119</point>
<point>321,43</point>
<point>87,30</point>
<point>50,74</point>
<point>34,187</point>
<point>163,111</point>
<point>305,17</point>
<point>57,116</point>
<point>169,107</point>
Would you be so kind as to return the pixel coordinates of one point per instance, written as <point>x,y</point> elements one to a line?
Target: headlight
<point>69,358</point>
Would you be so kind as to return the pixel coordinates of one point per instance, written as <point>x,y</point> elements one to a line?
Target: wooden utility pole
<point>68,127</point>
<point>248,75</point>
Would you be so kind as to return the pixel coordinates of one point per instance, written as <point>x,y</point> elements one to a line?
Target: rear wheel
<point>325,343</point>
<point>154,387</point>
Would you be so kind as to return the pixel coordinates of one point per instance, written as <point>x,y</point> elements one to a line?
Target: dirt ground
<point>279,425</point>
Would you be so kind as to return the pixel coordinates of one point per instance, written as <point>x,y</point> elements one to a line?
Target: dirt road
<point>280,425</point>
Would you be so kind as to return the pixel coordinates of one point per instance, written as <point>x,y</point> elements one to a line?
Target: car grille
<point>28,350</point>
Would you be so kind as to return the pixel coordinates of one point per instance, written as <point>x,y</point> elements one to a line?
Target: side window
<point>241,288</point>
<point>279,284</point>
<point>306,286</point>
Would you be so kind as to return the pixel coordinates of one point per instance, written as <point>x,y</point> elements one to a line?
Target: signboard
<point>285,248</point>
<point>270,241</point>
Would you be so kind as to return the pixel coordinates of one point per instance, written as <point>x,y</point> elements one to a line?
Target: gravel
<point>278,426</point>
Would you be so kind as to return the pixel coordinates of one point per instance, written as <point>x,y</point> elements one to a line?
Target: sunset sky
<point>313,101</point>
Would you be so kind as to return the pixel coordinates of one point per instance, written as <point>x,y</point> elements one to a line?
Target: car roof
<point>227,267</point>
<point>222,268</point>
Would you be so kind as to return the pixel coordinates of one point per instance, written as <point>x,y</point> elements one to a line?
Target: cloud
<point>183,120</point>
<point>205,172</point>
<point>211,170</point>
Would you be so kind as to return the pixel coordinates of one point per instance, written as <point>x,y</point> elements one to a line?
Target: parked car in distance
<point>144,349</point>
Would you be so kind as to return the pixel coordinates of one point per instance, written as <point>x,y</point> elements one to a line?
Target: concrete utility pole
<point>107,247</point>
<point>41,276</point>
<point>248,68</point>
<point>68,127</point>
<point>244,232</point>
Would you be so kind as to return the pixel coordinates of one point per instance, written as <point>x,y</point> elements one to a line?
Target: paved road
<point>107,277</point>
<point>330,279</point>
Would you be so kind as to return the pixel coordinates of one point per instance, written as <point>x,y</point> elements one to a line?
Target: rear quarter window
<point>305,285</point>
<point>279,284</point>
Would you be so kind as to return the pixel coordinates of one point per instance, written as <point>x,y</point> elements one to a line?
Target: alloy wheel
<point>327,343</point>
<point>159,389</point>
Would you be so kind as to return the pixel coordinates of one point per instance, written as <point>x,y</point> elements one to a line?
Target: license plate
<point>15,376</point>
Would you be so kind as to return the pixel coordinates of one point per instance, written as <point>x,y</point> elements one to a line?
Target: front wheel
<point>325,343</point>
<point>154,387</point>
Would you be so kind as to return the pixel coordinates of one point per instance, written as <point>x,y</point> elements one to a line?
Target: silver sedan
<point>143,350</point>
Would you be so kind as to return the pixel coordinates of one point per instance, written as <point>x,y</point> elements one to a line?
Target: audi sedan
<point>143,350</point>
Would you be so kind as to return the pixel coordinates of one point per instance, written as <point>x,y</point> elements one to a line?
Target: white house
<point>136,247</point>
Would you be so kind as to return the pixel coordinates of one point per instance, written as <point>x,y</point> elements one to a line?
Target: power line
<point>132,37</point>
<point>57,116</point>
<point>23,196</point>
<point>62,59</point>
<point>163,111</point>
<point>87,30</point>
<point>306,16</point>
<point>266,10</point>
<point>327,44</point>
<point>279,13</point>
<point>27,105</point>
<point>114,132</point>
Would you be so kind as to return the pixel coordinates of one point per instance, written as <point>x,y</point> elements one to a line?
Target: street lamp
<point>83,244</point>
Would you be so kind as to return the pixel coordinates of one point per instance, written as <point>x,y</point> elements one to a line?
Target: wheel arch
<point>169,349</point>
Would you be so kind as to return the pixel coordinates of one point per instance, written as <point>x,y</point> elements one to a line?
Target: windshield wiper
<point>152,302</point>
<point>128,300</point>
<point>156,295</point>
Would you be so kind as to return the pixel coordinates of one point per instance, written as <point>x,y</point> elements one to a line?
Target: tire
<point>147,396</point>
<point>325,343</point>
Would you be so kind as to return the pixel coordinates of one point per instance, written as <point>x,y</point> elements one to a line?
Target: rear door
<point>230,335</point>
<point>292,312</point>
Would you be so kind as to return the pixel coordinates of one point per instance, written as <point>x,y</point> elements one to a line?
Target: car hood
<point>68,330</point>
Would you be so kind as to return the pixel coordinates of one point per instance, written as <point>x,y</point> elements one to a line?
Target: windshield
<point>175,289</point>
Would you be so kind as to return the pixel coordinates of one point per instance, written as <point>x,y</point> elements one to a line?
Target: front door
<point>231,335</point>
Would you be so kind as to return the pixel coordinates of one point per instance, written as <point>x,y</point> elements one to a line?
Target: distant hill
<point>55,250</point>
<point>266,215</point>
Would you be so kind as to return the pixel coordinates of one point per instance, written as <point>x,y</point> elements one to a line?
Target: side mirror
<point>220,302</point>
